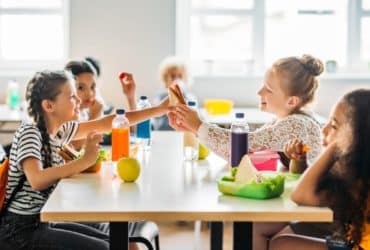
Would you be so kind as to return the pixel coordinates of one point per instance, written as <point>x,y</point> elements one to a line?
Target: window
<point>33,34</point>
<point>365,32</point>
<point>244,37</point>
<point>312,27</point>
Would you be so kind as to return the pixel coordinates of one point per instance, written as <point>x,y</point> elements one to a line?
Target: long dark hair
<point>347,181</point>
<point>45,85</point>
<point>79,67</point>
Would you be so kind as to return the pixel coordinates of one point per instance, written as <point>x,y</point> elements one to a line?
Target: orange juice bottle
<point>120,136</point>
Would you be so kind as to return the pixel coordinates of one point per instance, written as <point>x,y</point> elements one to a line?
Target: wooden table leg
<point>242,235</point>
<point>216,235</point>
<point>118,235</point>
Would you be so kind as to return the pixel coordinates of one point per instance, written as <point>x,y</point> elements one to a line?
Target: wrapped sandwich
<point>70,154</point>
<point>175,95</point>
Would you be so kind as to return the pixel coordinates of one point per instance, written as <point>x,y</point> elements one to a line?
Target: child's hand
<point>128,85</point>
<point>92,148</point>
<point>187,118</point>
<point>96,109</point>
<point>295,149</point>
<point>175,124</point>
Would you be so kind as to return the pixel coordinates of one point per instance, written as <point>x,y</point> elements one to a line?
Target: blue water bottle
<point>143,129</point>
<point>239,139</point>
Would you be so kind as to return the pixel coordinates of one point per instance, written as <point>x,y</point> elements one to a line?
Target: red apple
<point>122,75</point>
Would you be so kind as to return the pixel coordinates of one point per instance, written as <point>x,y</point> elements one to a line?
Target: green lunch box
<point>272,186</point>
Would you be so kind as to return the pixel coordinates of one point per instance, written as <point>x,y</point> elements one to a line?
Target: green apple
<point>128,169</point>
<point>203,152</point>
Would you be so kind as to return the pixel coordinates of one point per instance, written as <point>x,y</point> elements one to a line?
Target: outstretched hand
<point>185,118</point>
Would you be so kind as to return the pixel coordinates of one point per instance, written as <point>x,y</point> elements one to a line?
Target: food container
<point>218,106</point>
<point>271,186</point>
<point>265,160</point>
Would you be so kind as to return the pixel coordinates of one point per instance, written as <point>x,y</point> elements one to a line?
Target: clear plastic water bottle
<point>13,95</point>
<point>120,136</point>
<point>191,143</point>
<point>239,139</point>
<point>143,129</point>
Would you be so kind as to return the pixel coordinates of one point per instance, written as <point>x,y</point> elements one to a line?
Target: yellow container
<point>218,106</point>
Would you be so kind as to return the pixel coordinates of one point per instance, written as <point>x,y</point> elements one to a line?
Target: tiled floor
<point>181,236</point>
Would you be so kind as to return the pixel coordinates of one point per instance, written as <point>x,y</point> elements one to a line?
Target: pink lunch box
<point>265,160</point>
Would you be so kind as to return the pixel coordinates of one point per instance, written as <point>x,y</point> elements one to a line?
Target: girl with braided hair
<point>53,104</point>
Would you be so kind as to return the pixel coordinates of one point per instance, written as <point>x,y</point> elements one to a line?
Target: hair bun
<point>313,65</point>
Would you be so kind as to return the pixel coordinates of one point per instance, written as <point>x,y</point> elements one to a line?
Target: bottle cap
<point>192,103</point>
<point>143,97</point>
<point>239,115</point>
<point>120,111</point>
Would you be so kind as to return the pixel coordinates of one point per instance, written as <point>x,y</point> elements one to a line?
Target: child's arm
<point>306,191</point>
<point>129,88</point>
<point>41,178</point>
<point>104,124</point>
<point>185,118</point>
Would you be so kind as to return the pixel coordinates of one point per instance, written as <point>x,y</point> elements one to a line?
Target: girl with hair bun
<point>289,86</point>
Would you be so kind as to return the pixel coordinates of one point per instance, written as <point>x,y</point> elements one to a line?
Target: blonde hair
<point>300,76</point>
<point>174,63</point>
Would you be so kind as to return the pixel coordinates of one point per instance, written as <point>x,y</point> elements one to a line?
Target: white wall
<point>136,35</point>
<point>243,91</point>
<point>131,36</point>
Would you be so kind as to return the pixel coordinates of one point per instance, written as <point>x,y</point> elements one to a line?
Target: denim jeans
<point>27,232</point>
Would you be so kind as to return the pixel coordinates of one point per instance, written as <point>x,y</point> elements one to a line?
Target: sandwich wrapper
<point>69,154</point>
<point>245,181</point>
<point>175,95</point>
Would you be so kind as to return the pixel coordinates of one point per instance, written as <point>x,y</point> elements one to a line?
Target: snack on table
<point>246,181</point>
<point>70,154</point>
<point>299,165</point>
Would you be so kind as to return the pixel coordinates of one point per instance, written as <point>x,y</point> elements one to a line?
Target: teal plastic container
<point>272,186</point>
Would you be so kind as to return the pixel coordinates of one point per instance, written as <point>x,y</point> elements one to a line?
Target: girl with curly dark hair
<point>339,178</point>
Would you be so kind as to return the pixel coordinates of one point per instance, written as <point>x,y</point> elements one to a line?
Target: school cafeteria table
<point>10,119</point>
<point>169,189</point>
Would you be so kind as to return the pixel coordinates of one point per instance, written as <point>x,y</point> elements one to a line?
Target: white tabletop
<point>254,116</point>
<point>168,189</point>
<point>8,115</point>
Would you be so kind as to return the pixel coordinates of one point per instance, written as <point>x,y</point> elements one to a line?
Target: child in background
<point>85,78</point>
<point>128,84</point>
<point>339,179</point>
<point>289,85</point>
<point>172,70</point>
<point>54,105</point>
<point>92,104</point>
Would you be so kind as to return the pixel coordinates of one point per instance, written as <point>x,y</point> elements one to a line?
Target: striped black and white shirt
<point>27,143</point>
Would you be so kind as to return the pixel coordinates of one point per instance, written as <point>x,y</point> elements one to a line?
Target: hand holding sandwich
<point>184,118</point>
<point>91,148</point>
